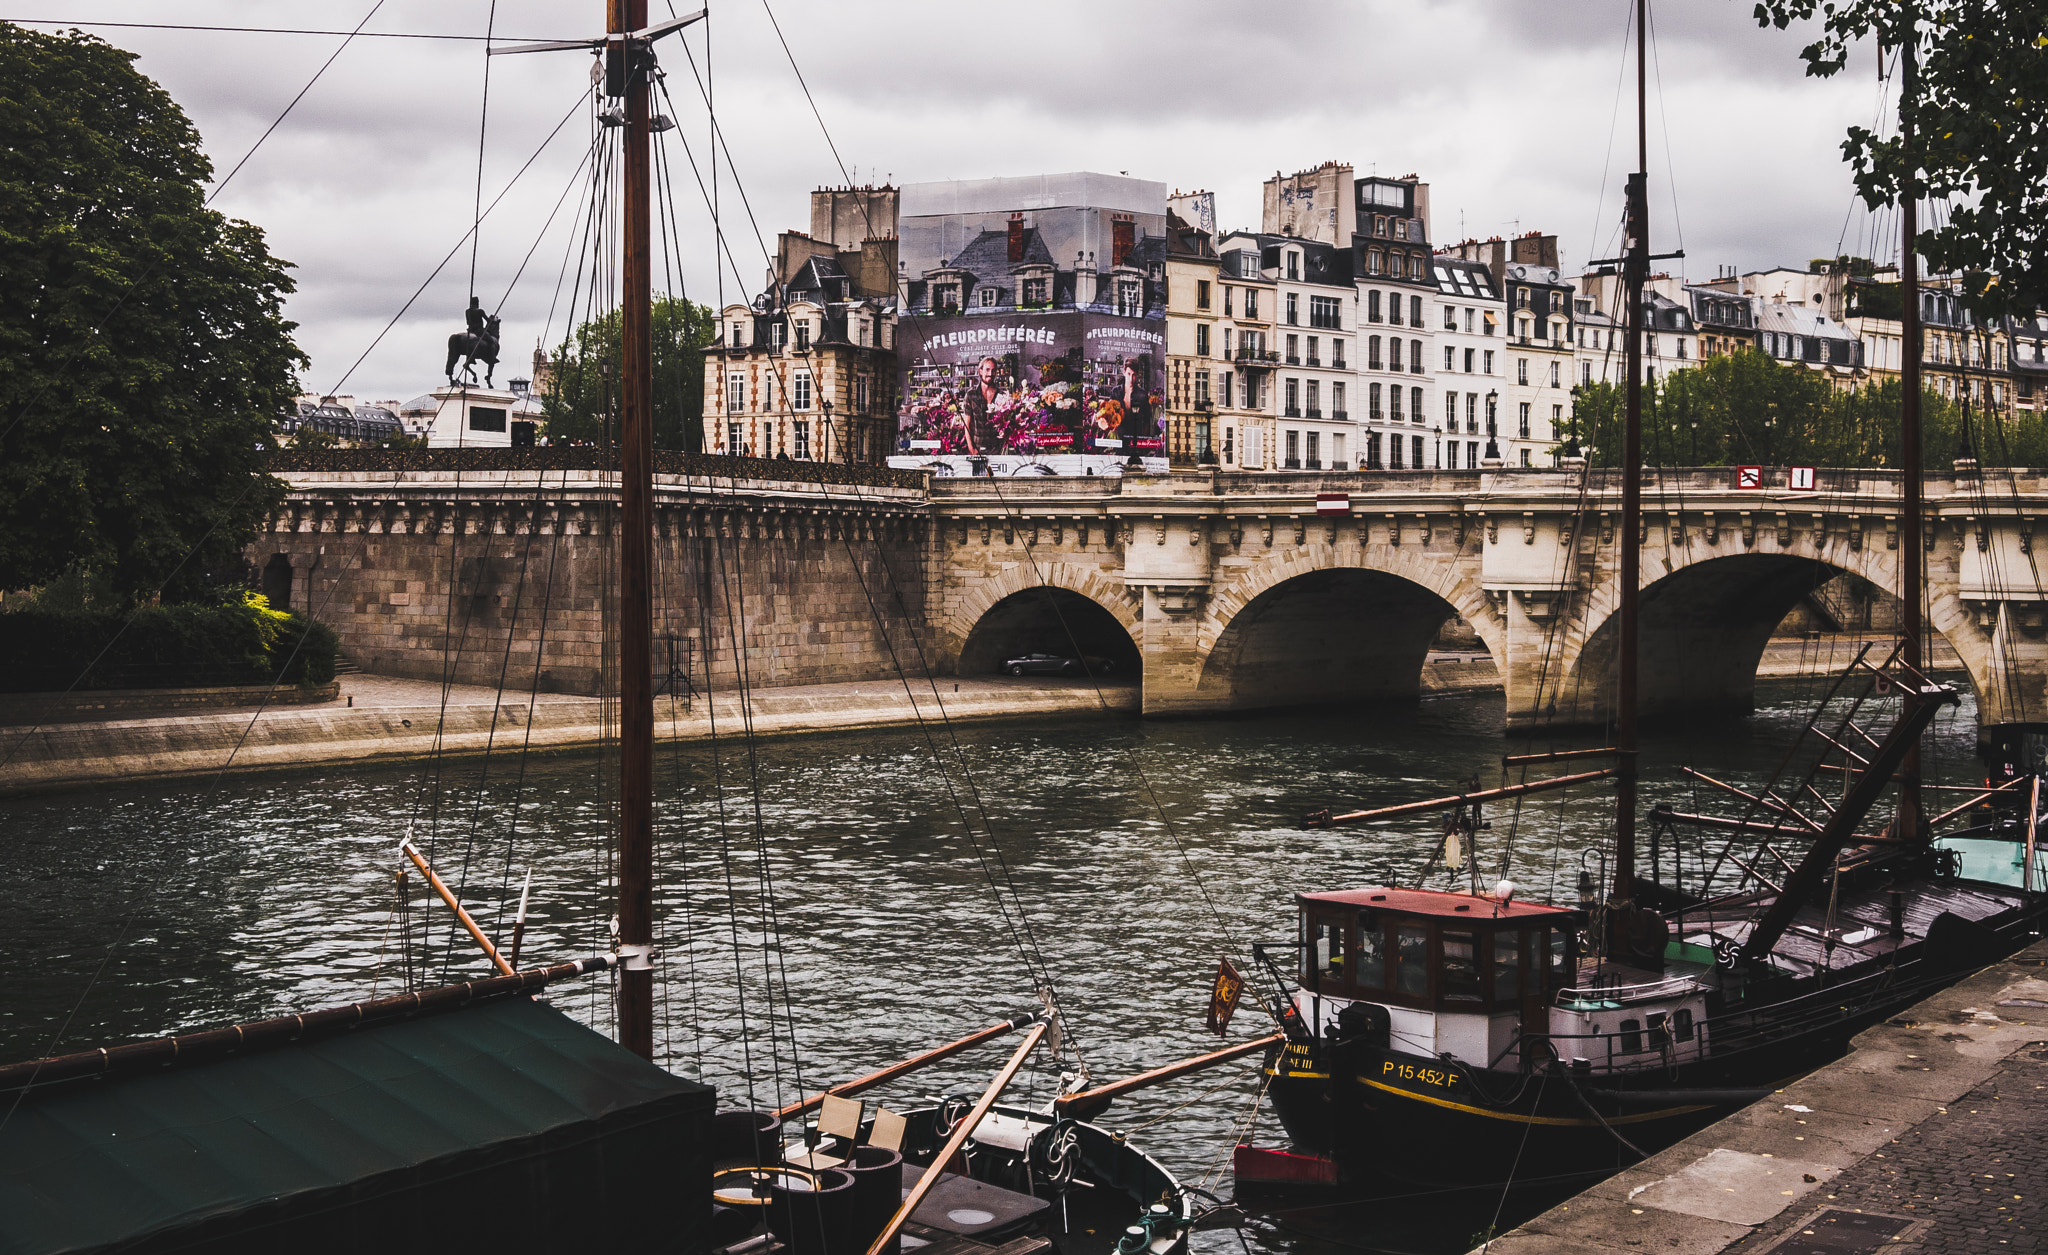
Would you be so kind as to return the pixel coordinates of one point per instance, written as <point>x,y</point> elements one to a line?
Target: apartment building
<point>1194,342</point>
<point>1397,288</point>
<point>1244,389</point>
<point>1315,320</point>
<point>1468,320</point>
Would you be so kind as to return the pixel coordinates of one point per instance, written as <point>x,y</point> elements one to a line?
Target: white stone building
<point>1244,331</point>
<point>1469,315</point>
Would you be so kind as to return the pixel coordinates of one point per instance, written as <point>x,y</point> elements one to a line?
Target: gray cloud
<point>1505,106</point>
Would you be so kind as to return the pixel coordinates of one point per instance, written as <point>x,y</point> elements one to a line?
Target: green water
<point>836,917</point>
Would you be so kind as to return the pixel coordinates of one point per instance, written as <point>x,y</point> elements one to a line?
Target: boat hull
<point>1387,1115</point>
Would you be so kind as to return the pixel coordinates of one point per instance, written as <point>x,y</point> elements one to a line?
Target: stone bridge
<point>1221,591</point>
<point>1243,590</point>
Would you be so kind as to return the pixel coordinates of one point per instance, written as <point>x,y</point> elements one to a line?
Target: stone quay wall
<point>498,567</point>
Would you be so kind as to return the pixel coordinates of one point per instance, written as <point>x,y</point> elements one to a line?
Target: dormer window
<point>990,297</point>
<point>946,297</point>
<point>1293,264</point>
<point>803,335</point>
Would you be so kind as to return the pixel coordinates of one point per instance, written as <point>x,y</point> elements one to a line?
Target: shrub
<point>181,646</point>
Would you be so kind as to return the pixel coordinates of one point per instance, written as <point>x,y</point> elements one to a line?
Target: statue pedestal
<point>472,417</point>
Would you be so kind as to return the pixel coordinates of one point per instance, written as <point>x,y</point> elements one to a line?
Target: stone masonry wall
<point>509,580</point>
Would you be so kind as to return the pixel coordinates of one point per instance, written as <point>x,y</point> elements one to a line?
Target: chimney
<point>875,265</point>
<point>1084,279</point>
<point>1016,238</point>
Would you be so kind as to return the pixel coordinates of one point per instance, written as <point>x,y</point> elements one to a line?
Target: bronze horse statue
<point>478,344</point>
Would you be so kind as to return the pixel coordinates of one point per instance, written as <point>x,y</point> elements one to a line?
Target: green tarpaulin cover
<point>501,1126</point>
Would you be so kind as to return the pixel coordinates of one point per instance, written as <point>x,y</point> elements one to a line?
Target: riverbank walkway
<point>1927,1138</point>
<point>386,718</point>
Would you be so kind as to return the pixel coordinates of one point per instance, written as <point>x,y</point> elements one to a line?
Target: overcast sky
<point>1517,112</point>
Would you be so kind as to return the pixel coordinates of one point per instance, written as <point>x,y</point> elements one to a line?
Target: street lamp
<point>1437,434</point>
<point>1492,424</point>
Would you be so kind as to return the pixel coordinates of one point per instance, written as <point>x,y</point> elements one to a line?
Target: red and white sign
<point>1333,503</point>
<point>1749,478</point>
<point>1802,479</point>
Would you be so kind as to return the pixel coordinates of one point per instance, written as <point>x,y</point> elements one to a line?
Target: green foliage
<point>143,348</point>
<point>582,399</point>
<point>1979,116</point>
<point>1749,408</point>
<point>243,641</point>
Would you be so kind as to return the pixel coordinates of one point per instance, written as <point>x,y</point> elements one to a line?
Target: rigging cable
<point>483,121</point>
<point>1041,974</point>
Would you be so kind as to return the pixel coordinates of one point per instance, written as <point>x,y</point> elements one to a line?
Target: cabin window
<point>1507,966</point>
<point>1411,959</point>
<point>1681,1024</point>
<point>1559,945</point>
<point>1369,964</point>
<point>1461,966</point>
<point>1325,952</point>
<point>1631,1036</point>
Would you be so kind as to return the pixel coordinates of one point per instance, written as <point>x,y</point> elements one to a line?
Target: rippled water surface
<point>841,901</point>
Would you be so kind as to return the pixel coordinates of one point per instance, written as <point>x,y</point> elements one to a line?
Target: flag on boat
<point>1333,503</point>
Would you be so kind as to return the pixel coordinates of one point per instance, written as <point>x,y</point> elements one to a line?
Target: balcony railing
<point>1292,411</point>
<point>1257,356</point>
<point>1340,465</point>
<point>1342,416</point>
<point>1293,359</point>
<point>1415,368</point>
<point>1337,363</point>
<point>1314,412</point>
<point>1292,464</point>
<point>1377,417</point>
<point>1315,464</point>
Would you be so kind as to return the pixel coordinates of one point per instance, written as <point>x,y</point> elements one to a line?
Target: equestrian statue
<point>478,344</point>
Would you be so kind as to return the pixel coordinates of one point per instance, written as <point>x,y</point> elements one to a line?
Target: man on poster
<point>982,396</point>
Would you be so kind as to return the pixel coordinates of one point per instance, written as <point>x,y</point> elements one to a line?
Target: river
<point>841,901</point>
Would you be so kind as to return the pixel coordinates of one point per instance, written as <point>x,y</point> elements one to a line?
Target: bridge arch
<point>1706,619</point>
<point>1050,608</point>
<point>1332,624</point>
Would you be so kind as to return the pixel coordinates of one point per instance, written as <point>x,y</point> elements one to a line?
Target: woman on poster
<point>1137,422</point>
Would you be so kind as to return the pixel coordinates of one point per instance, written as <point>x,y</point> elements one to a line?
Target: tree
<point>582,396</point>
<point>144,354</point>
<point>1979,120</point>
<point>1749,408</point>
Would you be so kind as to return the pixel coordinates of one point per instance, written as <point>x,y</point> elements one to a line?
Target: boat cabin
<point>1456,973</point>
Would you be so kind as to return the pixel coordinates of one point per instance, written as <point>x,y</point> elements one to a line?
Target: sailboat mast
<point>1912,483</point>
<point>1635,267</point>
<point>636,550</point>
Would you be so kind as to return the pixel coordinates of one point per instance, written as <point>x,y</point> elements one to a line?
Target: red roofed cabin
<point>1458,973</point>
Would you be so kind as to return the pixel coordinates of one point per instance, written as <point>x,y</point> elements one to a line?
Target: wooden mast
<point>1912,486</point>
<point>1635,268</point>
<point>636,548</point>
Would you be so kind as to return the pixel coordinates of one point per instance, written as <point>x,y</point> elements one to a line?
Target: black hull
<point>1388,1115</point>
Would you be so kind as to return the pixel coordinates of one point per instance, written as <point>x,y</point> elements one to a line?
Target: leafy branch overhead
<point>1978,115</point>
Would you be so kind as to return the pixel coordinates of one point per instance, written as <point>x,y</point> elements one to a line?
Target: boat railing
<point>1615,991</point>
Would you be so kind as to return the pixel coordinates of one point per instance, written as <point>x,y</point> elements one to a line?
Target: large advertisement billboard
<point>1033,317</point>
<point>1031,382</point>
